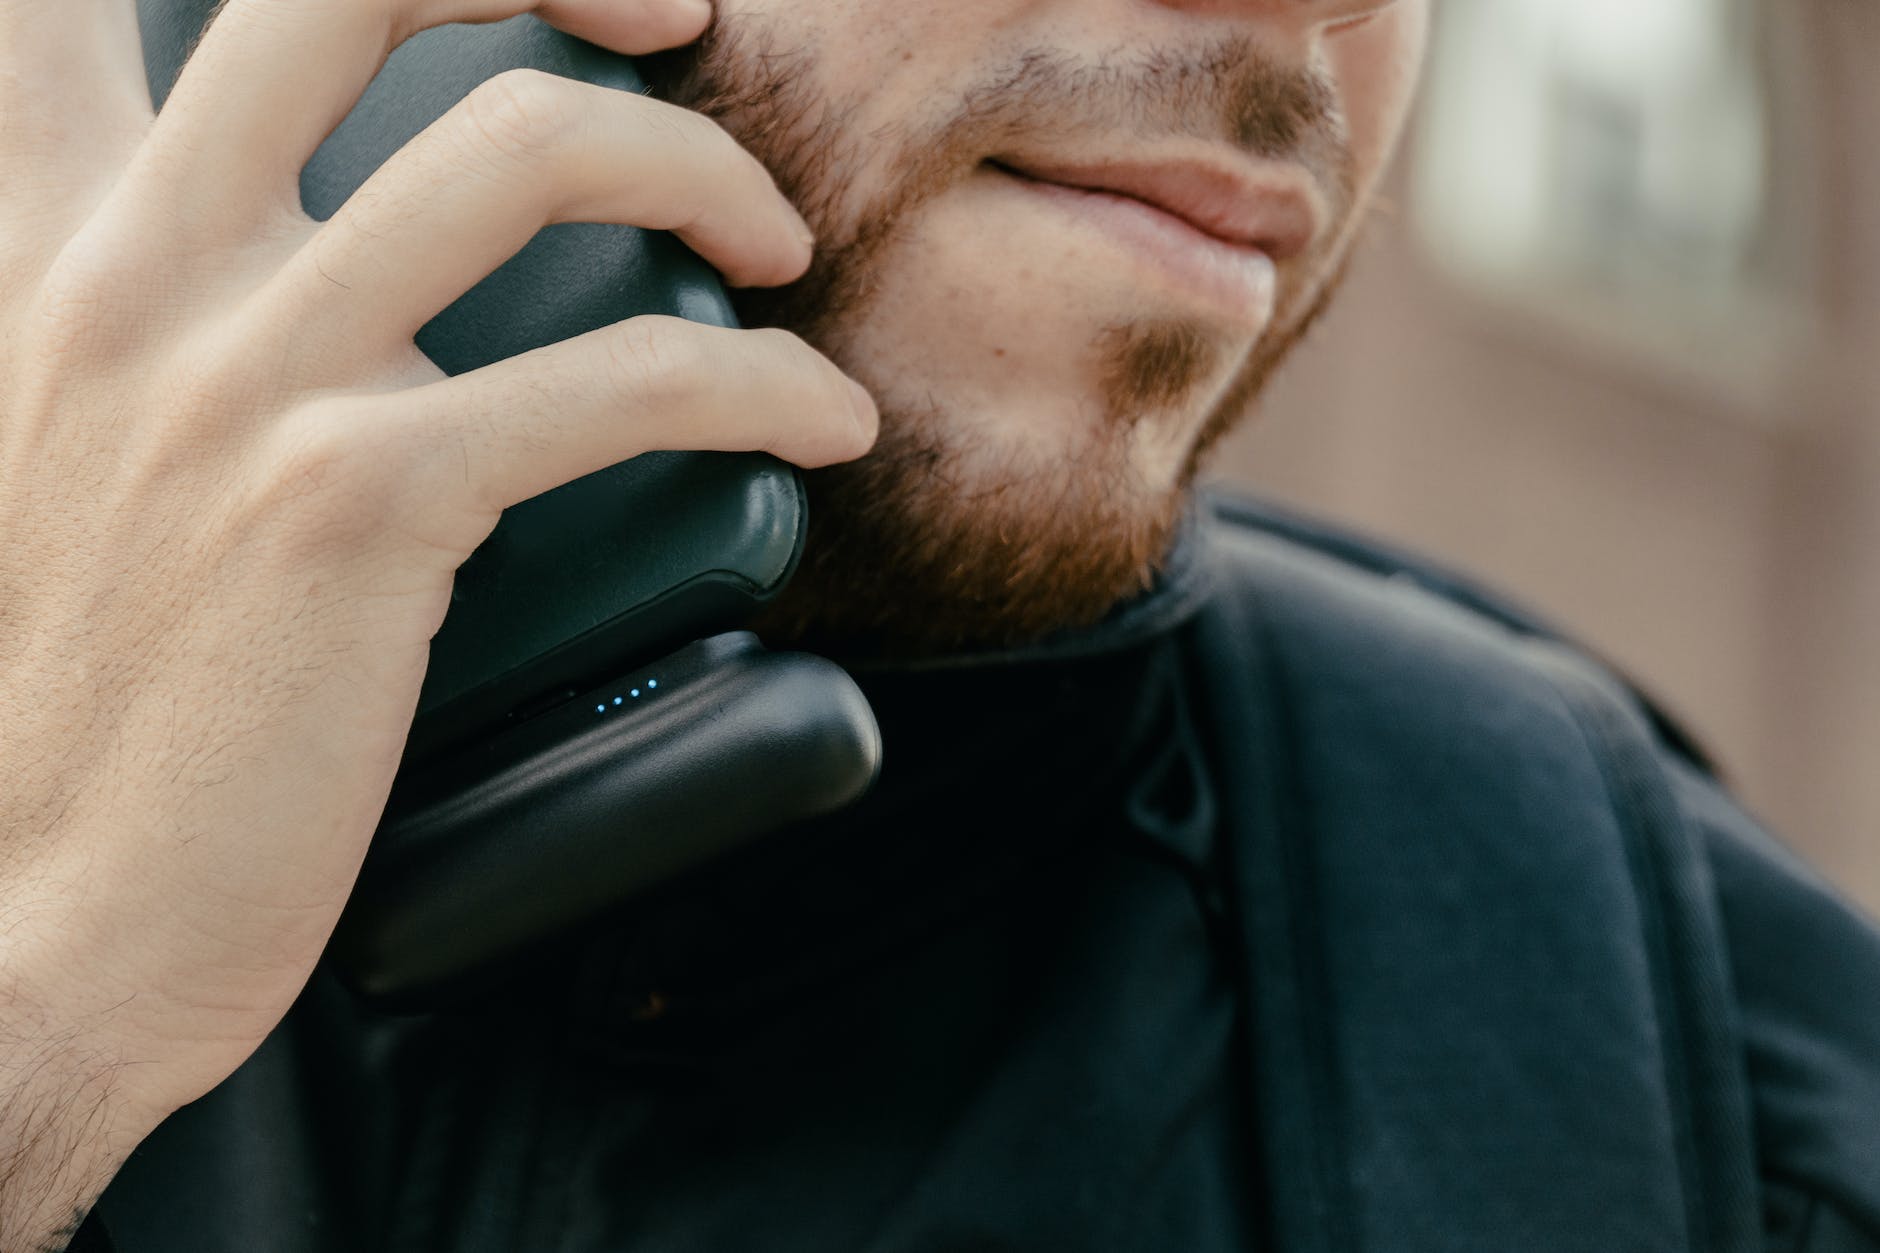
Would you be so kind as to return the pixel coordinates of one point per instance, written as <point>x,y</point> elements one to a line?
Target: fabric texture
<point>1315,901</point>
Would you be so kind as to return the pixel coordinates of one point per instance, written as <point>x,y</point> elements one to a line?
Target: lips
<point>1272,209</point>
<point>1229,280</point>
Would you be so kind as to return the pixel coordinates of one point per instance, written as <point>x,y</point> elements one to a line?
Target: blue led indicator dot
<point>616,700</point>
<point>652,683</point>
<point>600,709</point>
<point>636,692</point>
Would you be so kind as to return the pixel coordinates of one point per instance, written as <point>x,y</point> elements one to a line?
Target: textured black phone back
<point>618,566</point>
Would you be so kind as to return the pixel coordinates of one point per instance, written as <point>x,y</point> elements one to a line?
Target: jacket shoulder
<point>1383,655</point>
<point>1269,551</point>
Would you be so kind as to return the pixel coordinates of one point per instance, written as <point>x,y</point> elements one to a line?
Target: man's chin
<point>954,534</point>
<point>917,550</point>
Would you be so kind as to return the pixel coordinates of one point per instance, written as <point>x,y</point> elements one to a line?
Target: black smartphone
<point>592,722</point>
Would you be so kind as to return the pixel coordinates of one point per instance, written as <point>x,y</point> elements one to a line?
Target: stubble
<point>935,543</point>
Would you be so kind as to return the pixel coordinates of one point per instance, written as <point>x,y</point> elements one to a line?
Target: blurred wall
<point>1718,539</point>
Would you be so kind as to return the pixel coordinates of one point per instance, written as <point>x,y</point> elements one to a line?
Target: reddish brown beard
<point>925,546</point>
<point>903,559</point>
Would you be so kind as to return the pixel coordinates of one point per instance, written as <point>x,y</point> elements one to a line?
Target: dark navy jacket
<point>1314,902</point>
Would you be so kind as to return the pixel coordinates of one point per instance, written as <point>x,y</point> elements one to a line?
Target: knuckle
<point>786,344</point>
<point>793,360</point>
<point>653,361</point>
<point>524,113</point>
<point>79,297</point>
<point>313,455</point>
<point>714,163</point>
<point>405,18</point>
<point>395,14</point>
<point>723,165</point>
<point>688,126</point>
<point>323,479</point>
<point>211,394</point>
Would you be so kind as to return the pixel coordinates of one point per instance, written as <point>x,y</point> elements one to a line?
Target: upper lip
<point>1270,206</point>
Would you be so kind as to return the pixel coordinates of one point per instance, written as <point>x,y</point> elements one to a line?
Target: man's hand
<point>233,495</point>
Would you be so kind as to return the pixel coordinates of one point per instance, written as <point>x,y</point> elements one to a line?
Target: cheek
<point>1375,68</point>
<point>889,56</point>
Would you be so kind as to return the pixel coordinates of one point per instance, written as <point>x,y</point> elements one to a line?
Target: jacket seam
<point>1611,743</point>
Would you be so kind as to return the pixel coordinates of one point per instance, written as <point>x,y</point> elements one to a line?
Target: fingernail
<point>866,415</point>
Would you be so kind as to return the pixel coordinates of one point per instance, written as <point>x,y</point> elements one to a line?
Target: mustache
<point>858,180</point>
<point>1230,90</point>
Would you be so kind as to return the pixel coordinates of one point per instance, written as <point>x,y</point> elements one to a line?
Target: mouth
<point>1271,208</point>
<point>1214,239</point>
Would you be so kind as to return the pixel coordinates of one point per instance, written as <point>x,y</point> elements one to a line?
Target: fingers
<point>272,78</point>
<point>83,55</point>
<point>73,97</point>
<point>490,438</point>
<point>630,26</point>
<point>522,151</point>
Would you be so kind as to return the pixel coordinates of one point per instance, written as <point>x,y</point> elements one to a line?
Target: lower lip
<point>1238,278</point>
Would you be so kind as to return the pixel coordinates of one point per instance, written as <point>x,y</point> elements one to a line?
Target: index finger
<point>272,78</point>
<point>634,27</point>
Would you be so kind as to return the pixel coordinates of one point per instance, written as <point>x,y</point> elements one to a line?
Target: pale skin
<point>234,493</point>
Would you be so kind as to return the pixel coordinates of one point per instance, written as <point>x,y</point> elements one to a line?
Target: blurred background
<point>1614,347</point>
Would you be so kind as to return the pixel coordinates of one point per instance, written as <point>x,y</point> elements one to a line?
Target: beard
<point>936,542</point>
